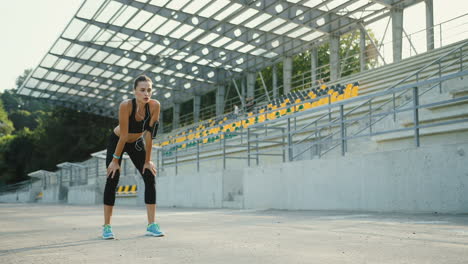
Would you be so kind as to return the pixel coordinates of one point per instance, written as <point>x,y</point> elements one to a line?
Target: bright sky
<point>30,27</point>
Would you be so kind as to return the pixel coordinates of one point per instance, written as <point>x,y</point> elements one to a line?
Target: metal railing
<point>445,33</point>
<point>397,91</point>
<point>333,122</point>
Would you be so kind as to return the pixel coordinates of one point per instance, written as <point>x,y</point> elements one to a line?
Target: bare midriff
<point>132,137</point>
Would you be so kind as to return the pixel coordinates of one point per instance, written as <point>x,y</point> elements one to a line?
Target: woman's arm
<point>123,124</point>
<point>148,139</point>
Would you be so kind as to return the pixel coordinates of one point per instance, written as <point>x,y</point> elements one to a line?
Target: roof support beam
<point>227,29</point>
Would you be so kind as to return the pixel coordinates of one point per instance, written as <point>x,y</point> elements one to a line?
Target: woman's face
<point>143,91</point>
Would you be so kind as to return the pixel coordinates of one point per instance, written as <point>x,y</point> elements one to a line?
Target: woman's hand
<point>113,168</point>
<point>150,166</point>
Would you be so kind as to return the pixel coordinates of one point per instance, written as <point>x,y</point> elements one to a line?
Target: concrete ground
<point>37,233</point>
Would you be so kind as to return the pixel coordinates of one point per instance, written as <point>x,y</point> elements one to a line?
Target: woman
<point>138,118</point>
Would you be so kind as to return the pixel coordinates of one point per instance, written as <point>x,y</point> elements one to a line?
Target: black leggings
<point>136,151</point>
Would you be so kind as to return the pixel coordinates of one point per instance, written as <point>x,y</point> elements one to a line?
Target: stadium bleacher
<point>298,100</point>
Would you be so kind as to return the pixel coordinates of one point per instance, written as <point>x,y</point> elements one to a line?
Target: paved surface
<point>35,233</point>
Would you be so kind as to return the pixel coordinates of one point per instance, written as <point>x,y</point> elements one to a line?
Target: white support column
<point>196,108</point>
<point>313,66</point>
<point>251,85</point>
<point>429,24</point>
<point>175,115</point>
<point>334,57</point>
<point>397,33</point>
<point>243,88</point>
<point>362,49</point>
<point>220,91</point>
<point>275,81</point>
<point>287,74</point>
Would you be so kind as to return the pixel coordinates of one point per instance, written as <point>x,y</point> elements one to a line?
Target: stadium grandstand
<point>363,131</point>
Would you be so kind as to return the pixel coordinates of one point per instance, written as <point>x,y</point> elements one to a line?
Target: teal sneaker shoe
<point>107,232</point>
<point>153,230</point>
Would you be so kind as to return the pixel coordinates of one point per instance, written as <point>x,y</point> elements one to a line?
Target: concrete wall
<point>83,194</point>
<point>50,194</point>
<point>190,190</point>
<point>15,197</point>
<point>426,179</point>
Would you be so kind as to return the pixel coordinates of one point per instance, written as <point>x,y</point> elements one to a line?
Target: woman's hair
<point>141,78</point>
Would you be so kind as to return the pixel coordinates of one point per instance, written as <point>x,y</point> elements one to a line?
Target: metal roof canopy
<point>187,47</point>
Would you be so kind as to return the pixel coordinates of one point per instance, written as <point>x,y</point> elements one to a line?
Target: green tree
<point>6,126</point>
<point>349,57</point>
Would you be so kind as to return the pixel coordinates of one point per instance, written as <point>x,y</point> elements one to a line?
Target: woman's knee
<point>148,177</point>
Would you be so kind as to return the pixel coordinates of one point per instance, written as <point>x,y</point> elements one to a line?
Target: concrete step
<point>423,132</point>
<point>427,116</point>
<point>236,203</point>
<point>439,107</point>
<point>232,204</point>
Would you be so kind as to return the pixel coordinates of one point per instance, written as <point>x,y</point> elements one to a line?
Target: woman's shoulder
<point>126,102</point>
<point>154,103</point>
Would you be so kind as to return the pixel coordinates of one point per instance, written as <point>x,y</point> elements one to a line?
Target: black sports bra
<point>135,126</point>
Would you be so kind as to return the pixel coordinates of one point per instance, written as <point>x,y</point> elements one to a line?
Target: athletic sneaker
<point>153,230</point>
<point>107,232</point>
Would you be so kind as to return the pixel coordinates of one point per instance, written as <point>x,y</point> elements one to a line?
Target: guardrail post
<point>440,76</point>
<point>343,140</point>
<point>416,115</point>
<point>316,138</point>
<point>162,158</point>
<point>283,145</point>
<point>224,151</point>
<point>461,59</point>
<point>370,117</point>
<point>248,146</point>
<point>176,169</point>
<point>198,156</point>
<point>256,144</point>
<point>290,150</point>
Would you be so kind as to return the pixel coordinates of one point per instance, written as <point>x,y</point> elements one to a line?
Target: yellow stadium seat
<point>125,191</point>
<point>355,91</point>
<point>133,190</point>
